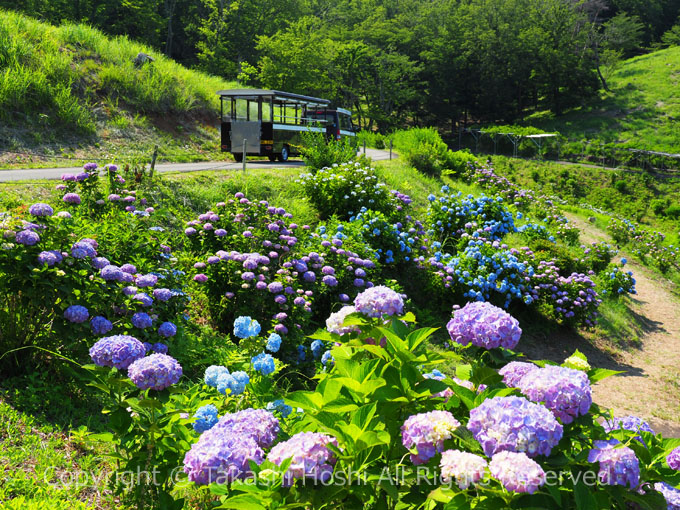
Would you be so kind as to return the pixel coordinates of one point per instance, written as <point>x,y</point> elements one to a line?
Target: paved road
<point>55,173</point>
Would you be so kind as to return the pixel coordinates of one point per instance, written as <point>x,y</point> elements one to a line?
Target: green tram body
<point>271,122</point>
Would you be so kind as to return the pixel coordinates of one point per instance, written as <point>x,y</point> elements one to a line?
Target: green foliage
<point>318,151</point>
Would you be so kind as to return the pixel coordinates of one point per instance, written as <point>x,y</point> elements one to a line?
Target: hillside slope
<point>641,110</point>
<point>71,91</point>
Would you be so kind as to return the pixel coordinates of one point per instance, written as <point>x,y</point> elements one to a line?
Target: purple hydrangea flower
<point>632,423</point>
<point>27,237</point>
<point>514,424</point>
<point>100,262</point>
<point>147,280</point>
<point>68,177</point>
<point>514,371</point>
<point>83,249</point>
<point>144,298</point>
<point>484,325</point>
<point>113,197</point>
<point>100,325</point>
<point>72,198</point>
<point>76,314</point>
<point>379,300</point>
<point>334,323</point>
<point>670,493</point>
<point>128,268</point>
<point>141,320</point>
<point>111,273</point>
<point>162,294</point>
<point>310,455</point>
<point>129,290</point>
<point>40,210</point>
<point>565,391</point>
<point>275,287</point>
<point>167,329</point>
<point>618,464</point>
<point>50,257</point>
<point>156,372</point>
<point>517,472</point>
<point>201,278</point>
<point>426,433</point>
<point>330,280</point>
<point>673,459</point>
<point>261,425</point>
<point>118,351</point>
<point>309,276</point>
<point>466,468</point>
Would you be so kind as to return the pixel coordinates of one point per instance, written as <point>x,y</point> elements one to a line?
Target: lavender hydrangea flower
<point>673,459</point>
<point>310,455</point>
<point>100,325</point>
<point>514,371</point>
<point>41,210</point>
<point>143,298</point>
<point>212,373</point>
<point>50,257</point>
<point>118,351</point>
<point>632,423</point>
<point>72,198</point>
<point>167,329</point>
<point>263,363</point>
<point>156,372</point>
<point>334,323</point>
<point>205,418</point>
<point>162,295</point>
<point>111,273</point>
<point>141,320</point>
<point>76,314</point>
<point>221,457</point>
<point>618,464</point>
<point>261,425</point>
<point>466,468</point>
<point>514,424</point>
<point>565,391</point>
<point>670,494</point>
<point>484,325</point>
<point>426,433</point>
<point>27,237</point>
<point>100,262</point>
<point>331,281</point>
<point>245,327</point>
<point>517,472</point>
<point>147,280</point>
<point>379,300</point>
<point>201,278</point>
<point>128,268</point>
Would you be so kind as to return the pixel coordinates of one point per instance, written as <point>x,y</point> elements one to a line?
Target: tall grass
<point>55,77</point>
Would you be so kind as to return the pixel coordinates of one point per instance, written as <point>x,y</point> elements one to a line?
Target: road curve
<point>55,173</point>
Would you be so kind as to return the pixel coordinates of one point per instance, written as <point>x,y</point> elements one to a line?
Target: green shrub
<point>672,211</point>
<point>621,186</point>
<point>320,152</point>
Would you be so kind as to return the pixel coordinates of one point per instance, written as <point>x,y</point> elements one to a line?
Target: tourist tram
<point>270,122</point>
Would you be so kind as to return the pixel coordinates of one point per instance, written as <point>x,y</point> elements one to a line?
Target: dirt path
<point>650,388</point>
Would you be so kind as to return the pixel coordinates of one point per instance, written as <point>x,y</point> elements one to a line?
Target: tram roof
<point>254,94</point>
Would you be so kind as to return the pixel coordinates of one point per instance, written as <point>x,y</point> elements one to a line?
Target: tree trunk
<point>597,68</point>
<point>170,14</point>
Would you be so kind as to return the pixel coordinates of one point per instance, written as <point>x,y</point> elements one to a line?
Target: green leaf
<point>307,400</point>
<point>584,497</point>
<point>597,374</point>
<point>244,502</point>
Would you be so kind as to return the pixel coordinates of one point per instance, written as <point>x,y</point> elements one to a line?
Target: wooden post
<point>364,146</point>
<point>153,160</point>
<point>244,154</point>
<point>390,149</point>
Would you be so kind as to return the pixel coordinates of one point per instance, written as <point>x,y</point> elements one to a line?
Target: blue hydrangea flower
<point>118,351</point>
<point>245,327</point>
<point>618,464</point>
<point>167,329</point>
<point>160,348</point>
<point>50,257</point>
<point>274,342</point>
<point>141,320</point>
<point>327,359</point>
<point>235,382</point>
<point>212,373</point>
<point>100,325</point>
<point>144,298</point>
<point>263,363</point>
<point>317,346</point>
<point>27,237</point>
<point>206,418</point>
<point>280,406</point>
<point>76,314</point>
<point>162,294</point>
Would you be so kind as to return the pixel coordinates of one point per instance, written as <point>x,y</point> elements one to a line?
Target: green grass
<point>71,92</point>
<point>640,111</point>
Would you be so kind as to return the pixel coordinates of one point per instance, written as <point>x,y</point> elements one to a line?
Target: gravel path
<point>650,387</point>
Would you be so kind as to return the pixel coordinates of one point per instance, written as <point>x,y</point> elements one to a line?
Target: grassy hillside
<point>73,92</point>
<point>641,111</point>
